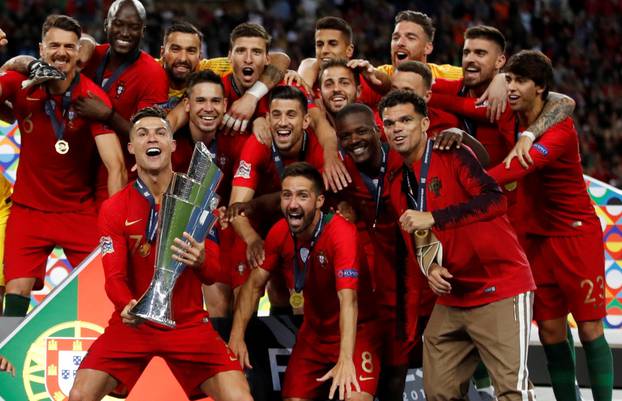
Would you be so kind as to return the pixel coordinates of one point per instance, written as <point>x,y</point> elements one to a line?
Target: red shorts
<point>393,351</point>
<point>570,275</point>
<point>311,360</point>
<point>194,354</point>
<point>31,235</point>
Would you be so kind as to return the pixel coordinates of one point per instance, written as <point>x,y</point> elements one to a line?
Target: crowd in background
<point>582,37</point>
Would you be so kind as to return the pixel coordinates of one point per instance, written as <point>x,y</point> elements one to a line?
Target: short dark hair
<point>64,22</point>
<point>183,27</point>
<point>152,111</point>
<point>486,32</point>
<point>304,169</point>
<point>116,5</point>
<point>418,18</point>
<point>533,65</point>
<point>249,30</point>
<point>396,97</point>
<point>205,76</point>
<point>287,92</point>
<point>336,23</point>
<point>337,62</point>
<point>355,108</point>
<point>417,67</point>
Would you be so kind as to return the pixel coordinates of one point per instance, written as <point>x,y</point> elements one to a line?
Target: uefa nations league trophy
<point>188,205</point>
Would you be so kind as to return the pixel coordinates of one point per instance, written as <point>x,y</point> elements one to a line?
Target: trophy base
<point>162,321</point>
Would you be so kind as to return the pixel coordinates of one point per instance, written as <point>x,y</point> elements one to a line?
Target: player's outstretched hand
<point>189,252</point>
<point>521,151</point>
<point>261,129</point>
<point>413,220</point>
<point>5,365</point>
<point>237,345</point>
<point>497,97</point>
<point>238,209</point>
<point>93,108</point>
<point>367,69</point>
<point>239,114</point>
<point>127,318</point>
<point>335,173</point>
<point>293,78</point>
<point>255,253</point>
<point>437,279</point>
<point>3,41</point>
<point>448,139</point>
<point>344,377</point>
<point>39,72</point>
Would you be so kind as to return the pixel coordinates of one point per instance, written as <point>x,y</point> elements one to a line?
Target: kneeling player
<point>197,356</point>
<point>318,252</point>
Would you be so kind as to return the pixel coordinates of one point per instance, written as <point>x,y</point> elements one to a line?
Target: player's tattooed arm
<point>245,306</point>
<point>557,108</point>
<point>343,374</point>
<point>255,253</point>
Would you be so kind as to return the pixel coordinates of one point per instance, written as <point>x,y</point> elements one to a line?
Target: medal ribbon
<point>376,190</point>
<point>234,86</point>
<point>418,203</point>
<point>301,275</point>
<point>152,224</point>
<point>278,160</point>
<point>99,76</point>
<point>50,108</point>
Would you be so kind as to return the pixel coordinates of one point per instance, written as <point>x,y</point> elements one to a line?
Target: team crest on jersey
<point>244,170</point>
<point>322,260</point>
<point>105,244</point>
<point>435,186</point>
<point>222,161</point>
<point>120,89</point>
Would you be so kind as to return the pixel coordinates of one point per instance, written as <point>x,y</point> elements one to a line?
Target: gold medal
<point>61,146</point>
<point>144,249</point>
<point>296,300</point>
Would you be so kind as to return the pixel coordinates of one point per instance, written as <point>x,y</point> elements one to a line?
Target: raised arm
<point>110,152</point>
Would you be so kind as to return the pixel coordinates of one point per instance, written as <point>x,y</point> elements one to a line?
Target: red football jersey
<point>334,265</point>
<point>480,248</point>
<point>129,260</point>
<point>377,232</point>
<point>441,120</point>
<point>563,206</point>
<point>498,138</point>
<point>47,180</point>
<point>257,170</point>
<point>228,148</point>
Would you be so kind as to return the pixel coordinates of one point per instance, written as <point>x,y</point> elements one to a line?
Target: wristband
<point>529,135</point>
<point>259,89</point>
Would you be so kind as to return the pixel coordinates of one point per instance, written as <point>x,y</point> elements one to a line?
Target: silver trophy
<point>188,205</point>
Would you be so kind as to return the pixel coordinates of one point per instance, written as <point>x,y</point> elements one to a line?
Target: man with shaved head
<point>131,77</point>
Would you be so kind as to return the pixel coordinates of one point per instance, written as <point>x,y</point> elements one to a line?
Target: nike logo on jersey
<point>129,223</point>
<point>364,379</point>
<point>34,99</point>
